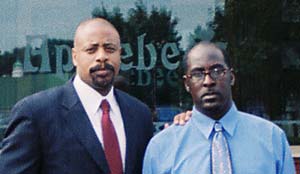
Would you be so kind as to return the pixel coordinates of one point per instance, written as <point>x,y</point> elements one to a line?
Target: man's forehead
<point>94,23</point>
<point>98,27</point>
<point>206,54</point>
<point>89,33</point>
<point>103,43</point>
<point>208,51</point>
<point>205,57</point>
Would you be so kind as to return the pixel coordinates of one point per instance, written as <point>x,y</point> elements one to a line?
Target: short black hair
<point>208,43</point>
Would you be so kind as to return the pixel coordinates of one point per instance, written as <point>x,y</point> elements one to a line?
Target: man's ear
<point>187,88</point>
<point>121,50</point>
<point>186,84</point>
<point>74,57</point>
<point>232,78</point>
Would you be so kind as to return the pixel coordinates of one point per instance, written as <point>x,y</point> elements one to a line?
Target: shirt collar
<point>90,98</point>
<point>205,124</point>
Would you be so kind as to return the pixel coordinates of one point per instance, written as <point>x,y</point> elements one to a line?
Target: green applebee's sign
<point>137,69</point>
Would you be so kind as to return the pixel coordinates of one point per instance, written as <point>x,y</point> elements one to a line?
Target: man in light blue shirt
<point>254,145</point>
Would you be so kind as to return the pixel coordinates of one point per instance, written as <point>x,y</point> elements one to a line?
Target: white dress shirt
<point>91,101</point>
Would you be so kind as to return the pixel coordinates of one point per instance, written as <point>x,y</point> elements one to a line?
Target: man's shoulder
<point>125,97</point>
<point>51,95</point>
<point>259,122</point>
<point>40,103</point>
<point>169,136</point>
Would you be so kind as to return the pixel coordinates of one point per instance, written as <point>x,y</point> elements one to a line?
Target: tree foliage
<point>254,33</point>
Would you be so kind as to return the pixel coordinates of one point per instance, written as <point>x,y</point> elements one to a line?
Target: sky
<point>59,18</point>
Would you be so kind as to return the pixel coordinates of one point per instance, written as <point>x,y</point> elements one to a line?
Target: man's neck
<point>102,91</point>
<point>216,113</point>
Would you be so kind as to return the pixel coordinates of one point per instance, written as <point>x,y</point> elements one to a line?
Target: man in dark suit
<point>64,130</point>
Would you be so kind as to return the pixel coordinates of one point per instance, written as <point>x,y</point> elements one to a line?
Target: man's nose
<point>101,55</point>
<point>208,81</point>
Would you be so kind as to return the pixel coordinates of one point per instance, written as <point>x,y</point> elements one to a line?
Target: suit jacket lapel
<point>77,120</point>
<point>128,120</point>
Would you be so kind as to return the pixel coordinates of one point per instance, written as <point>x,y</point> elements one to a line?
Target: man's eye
<point>110,49</point>
<point>197,74</point>
<point>90,50</point>
<point>218,70</point>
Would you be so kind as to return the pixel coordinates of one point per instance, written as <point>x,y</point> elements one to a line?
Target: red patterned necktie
<point>110,141</point>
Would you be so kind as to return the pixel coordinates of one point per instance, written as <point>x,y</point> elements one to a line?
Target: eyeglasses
<point>215,74</point>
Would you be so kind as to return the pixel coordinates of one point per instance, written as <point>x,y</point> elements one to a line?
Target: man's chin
<point>102,84</point>
<point>211,106</point>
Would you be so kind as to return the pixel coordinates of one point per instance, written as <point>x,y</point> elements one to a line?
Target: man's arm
<point>286,164</point>
<point>20,152</point>
<point>151,159</point>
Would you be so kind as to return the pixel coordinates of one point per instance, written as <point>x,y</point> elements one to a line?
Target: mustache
<point>99,67</point>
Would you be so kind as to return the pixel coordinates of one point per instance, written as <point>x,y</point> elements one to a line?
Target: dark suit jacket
<point>50,133</point>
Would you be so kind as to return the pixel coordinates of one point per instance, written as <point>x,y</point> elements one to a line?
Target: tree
<point>254,32</point>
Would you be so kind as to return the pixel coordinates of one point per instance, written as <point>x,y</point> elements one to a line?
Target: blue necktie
<point>220,155</point>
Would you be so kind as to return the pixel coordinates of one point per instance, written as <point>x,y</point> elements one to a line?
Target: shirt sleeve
<point>151,161</point>
<point>285,164</point>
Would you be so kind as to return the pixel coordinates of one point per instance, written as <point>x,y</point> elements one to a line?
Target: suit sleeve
<point>20,152</point>
<point>149,126</point>
<point>146,134</point>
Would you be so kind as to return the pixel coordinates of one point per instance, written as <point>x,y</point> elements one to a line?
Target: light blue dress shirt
<point>257,146</point>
